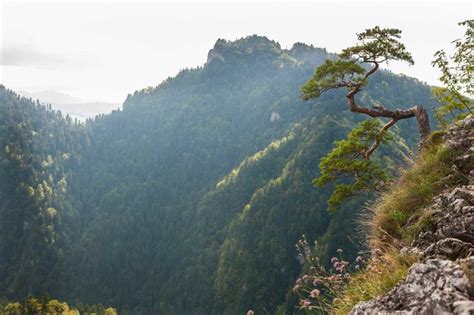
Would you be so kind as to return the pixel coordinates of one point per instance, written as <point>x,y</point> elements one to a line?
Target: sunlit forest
<point>216,191</point>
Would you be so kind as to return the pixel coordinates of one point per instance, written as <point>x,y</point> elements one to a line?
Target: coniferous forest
<point>191,198</point>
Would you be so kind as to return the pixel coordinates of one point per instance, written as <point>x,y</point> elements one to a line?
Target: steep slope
<point>420,233</point>
<point>38,150</point>
<point>191,198</point>
<point>444,241</point>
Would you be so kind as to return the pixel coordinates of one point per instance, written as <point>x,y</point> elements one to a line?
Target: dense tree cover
<point>38,221</point>
<point>190,199</point>
<point>47,306</point>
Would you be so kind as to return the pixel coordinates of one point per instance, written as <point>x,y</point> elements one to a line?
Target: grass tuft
<point>408,197</point>
<point>383,273</point>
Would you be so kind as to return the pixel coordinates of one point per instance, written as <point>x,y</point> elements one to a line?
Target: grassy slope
<point>403,201</point>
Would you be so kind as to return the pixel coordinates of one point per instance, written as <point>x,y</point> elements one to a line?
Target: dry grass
<point>382,274</point>
<point>405,200</point>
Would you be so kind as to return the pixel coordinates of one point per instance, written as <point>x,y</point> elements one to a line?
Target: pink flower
<point>305,278</point>
<point>250,312</point>
<point>305,304</point>
<point>314,293</point>
<point>316,282</point>
<point>359,259</point>
<point>334,259</point>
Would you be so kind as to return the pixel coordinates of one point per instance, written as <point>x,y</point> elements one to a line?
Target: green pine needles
<point>347,166</point>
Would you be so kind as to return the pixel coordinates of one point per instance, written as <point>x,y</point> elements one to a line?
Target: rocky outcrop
<point>436,286</point>
<point>451,233</point>
<point>443,282</point>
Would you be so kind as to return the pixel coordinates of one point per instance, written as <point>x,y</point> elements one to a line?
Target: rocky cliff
<point>442,281</point>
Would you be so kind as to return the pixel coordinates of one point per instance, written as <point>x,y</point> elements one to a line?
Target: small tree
<point>349,164</point>
<point>457,75</point>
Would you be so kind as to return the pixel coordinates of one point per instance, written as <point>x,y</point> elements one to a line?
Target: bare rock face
<point>436,286</point>
<point>443,282</point>
<point>452,230</point>
<point>451,234</point>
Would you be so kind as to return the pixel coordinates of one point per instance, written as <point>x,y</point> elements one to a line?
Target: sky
<point>104,50</point>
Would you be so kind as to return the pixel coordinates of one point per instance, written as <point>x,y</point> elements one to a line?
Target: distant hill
<point>67,104</point>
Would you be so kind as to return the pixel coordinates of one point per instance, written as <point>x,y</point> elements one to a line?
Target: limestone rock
<point>452,224</point>
<point>436,286</point>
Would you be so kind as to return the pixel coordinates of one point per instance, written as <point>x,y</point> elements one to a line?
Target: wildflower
<point>250,312</point>
<point>334,259</point>
<point>359,259</point>
<point>357,267</point>
<point>298,281</point>
<point>296,288</point>
<point>316,282</point>
<point>339,250</point>
<point>305,304</point>
<point>334,278</point>
<point>305,278</point>
<point>314,293</point>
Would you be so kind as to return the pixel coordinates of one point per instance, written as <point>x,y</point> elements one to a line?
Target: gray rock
<point>436,286</point>
<point>452,225</point>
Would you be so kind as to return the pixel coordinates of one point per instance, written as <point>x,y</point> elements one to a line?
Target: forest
<point>191,198</point>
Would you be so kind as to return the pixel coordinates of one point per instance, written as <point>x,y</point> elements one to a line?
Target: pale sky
<point>103,50</point>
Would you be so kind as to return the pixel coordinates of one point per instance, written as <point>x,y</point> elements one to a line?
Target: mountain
<point>70,105</point>
<point>191,198</point>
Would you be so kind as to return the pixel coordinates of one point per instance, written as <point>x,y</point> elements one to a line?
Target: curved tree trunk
<point>419,112</point>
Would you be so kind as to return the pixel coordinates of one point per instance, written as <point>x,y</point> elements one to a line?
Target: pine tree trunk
<point>423,121</point>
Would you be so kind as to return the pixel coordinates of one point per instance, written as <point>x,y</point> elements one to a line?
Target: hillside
<point>191,198</point>
<point>422,236</point>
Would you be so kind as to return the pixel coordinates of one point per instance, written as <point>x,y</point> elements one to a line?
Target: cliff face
<point>442,282</point>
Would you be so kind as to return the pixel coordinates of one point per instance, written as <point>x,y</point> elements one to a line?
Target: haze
<point>103,51</point>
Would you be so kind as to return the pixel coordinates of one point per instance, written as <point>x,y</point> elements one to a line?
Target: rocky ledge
<point>443,281</point>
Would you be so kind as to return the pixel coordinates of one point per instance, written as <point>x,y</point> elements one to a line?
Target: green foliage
<point>332,75</point>
<point>378,45</point>
<point>347,166</point>
<point>46,306</point>
<point>453,105</point>
<point>37,217</point>
<point>457,73</point>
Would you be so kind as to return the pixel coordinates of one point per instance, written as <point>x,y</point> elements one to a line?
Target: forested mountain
<point>191,198</point>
